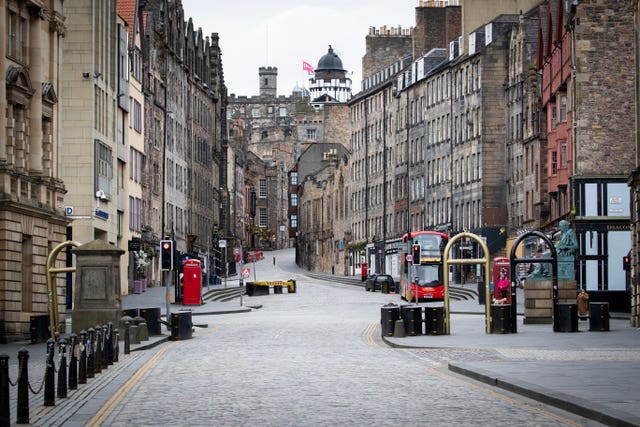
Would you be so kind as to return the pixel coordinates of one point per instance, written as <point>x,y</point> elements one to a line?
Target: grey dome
<point>330,62</point>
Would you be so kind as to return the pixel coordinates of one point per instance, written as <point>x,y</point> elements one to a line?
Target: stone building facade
<point>591,122</point>
<point>323,213</point>
<point>139,273</point>
<point>389,126</point>
<point>633,273</point>
<point>528,198</point>
<point>184,110</point>
<point>32,192</point>
<point>276,129</point>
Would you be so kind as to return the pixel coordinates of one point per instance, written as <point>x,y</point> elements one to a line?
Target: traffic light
<point>625,263</point>
<point>166,254</point>
<point>416,253</point>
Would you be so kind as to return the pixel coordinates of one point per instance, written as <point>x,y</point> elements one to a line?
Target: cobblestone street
<point>315,358</point>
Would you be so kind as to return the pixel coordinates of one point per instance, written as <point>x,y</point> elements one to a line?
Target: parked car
<point>374,282</point>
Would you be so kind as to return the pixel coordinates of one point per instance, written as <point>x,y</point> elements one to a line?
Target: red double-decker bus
<point>423,269</point>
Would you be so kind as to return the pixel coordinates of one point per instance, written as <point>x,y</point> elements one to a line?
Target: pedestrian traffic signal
<point>166,254</point>
<point>416,252</point>
<point>625,263</point>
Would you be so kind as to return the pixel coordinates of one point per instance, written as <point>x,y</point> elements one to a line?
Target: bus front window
<point>427,275</point>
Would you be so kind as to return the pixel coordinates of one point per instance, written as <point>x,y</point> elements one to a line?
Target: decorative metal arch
<point>485,260</point>
<point>554,273</point>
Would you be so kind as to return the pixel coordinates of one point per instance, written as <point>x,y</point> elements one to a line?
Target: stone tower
<point>268,81</point>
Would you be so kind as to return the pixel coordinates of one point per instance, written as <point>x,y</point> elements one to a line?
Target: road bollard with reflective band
<point>49,375</point>
<point>23,387</point>
<point>82,362</point>
<point>62,369</point>
<point>73,362</point>
<point>97,356</point>
<point>90,353</point>
<point>5,418</point>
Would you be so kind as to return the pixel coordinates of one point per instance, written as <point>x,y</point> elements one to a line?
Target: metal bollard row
<point>79,358</point>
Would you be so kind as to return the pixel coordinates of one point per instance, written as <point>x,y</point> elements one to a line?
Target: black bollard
<point>116,346</point>
<point>105,347</point>
<point>97,356</point>
<point>110,343</point>
<point>23,387</point>
<point>90,354</point>
<point>73,362</point>
<point>49,375</point>
<point>82,362</point>
<point>5,418</point>
<point>127,344</point>
<point>62,370</point>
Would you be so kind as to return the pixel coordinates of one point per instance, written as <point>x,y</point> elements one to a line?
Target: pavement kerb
<point>559,400</point>
<point>562,401</point>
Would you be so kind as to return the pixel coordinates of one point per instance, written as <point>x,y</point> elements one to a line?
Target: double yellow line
<point>108,408</point>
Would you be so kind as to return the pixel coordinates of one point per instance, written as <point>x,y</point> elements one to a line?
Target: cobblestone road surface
<point>314,358</point>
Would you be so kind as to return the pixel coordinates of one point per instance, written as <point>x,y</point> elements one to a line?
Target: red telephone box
<point>502,279</point>
<point>192,282</point>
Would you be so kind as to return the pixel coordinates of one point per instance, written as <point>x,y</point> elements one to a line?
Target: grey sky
<point>283,33</point>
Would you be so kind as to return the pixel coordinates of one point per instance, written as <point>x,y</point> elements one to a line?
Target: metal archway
<point>554,275</point>
<point>485,261</point>
<point>52,294</point>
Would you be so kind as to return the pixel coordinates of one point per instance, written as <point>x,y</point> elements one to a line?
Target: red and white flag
<point>307,67</point>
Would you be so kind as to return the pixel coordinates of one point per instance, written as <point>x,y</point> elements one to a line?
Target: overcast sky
<point>283,33</point>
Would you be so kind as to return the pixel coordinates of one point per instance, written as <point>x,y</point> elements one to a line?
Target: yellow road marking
<point>108,408</point>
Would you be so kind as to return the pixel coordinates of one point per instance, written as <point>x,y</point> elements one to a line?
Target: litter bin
<point>181,326</point>
<point>152,319</point>
<point>482,296</point>
<point>412,317</point>
<point>567,318</point>
<point>388,315</point>
<point>434,320</point>
<point>501,321</point>
<point>598,316</point>
<point>39,328</point>
<point>250,288</point>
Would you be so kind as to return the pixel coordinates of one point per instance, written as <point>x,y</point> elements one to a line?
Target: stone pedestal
<point>97,287</point>
<point>538,299</point>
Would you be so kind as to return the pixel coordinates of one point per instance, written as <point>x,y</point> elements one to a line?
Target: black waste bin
<point>598,316</point>
<point>277,289</point>
<point>481,293</point>
<point>501,321</point>
<point>412,319</point>
<point>250,288</point>
<point>181,326</point>
<point>152,319</point>
<point>39,328</point>
<point>434,320</point>
<point>567,318</point>
<point>388,315</point>
<point>385,286</point>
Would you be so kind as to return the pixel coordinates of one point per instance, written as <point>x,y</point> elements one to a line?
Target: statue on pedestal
<point>567,249</point>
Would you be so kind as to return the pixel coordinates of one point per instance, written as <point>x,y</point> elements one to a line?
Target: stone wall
<point>605,107</point>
